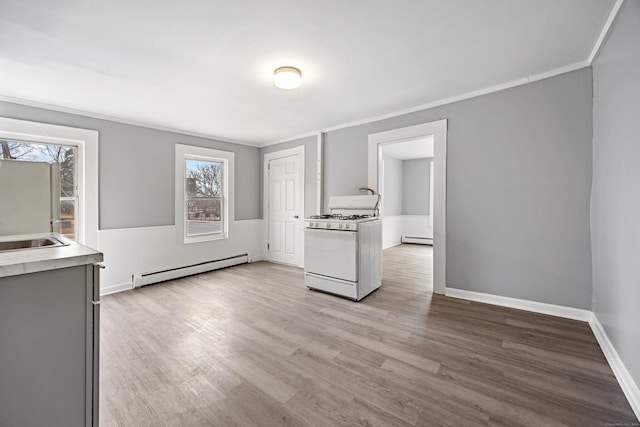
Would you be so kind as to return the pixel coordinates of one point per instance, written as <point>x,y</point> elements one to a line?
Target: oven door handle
<point>329,230</point>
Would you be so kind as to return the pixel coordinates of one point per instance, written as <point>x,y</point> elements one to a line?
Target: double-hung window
<point>203,193</point>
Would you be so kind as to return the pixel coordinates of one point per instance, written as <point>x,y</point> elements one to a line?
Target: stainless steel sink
<point>45,242</point>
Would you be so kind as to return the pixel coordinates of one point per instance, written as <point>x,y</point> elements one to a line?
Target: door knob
<point>295,217</point>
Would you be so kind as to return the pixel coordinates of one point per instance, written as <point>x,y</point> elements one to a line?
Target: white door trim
<point>319,174</point>
<point>265,197</point>
<point>439,130</point>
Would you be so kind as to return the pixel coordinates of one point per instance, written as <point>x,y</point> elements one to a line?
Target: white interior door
<point>285,210</point>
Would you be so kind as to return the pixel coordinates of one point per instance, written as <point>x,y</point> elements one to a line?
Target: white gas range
<point>343,250</point>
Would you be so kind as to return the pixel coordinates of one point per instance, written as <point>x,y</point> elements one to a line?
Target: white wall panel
<point>140,250</point>
<point>391,231</point>
<point>417,226</point>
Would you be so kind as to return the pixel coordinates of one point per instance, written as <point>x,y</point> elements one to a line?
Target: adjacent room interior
<point>407,208</point>
<point>296,213</point>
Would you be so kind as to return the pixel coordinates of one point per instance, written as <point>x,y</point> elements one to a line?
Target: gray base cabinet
<point>49,338</point>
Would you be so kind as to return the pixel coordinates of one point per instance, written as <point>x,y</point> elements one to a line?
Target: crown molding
<point>444,101</point>
<point>61,109</point>
<point>605,30</point>
<point>433,104</point>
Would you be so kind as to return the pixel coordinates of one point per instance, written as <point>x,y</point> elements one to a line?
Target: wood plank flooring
<point>250,345</point>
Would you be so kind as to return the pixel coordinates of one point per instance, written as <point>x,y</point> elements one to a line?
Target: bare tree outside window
<point>16,150</point>
<point>204,196</point>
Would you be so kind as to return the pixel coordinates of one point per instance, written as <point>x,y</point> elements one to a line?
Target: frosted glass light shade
<point>287,77</point>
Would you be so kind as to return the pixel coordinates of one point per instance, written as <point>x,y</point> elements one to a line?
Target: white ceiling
<point>415,149</point>
<point>205,66</point>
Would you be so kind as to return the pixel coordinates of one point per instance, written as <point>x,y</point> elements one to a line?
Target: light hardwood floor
<point>250,345</point>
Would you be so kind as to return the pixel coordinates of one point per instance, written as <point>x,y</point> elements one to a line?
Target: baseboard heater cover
<point>143,279</point>
<point>418,240</point>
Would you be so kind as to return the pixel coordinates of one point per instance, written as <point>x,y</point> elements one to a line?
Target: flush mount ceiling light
<point>287,77</point>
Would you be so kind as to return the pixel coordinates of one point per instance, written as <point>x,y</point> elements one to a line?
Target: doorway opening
<point>406,187</point>
<point>386,175</point>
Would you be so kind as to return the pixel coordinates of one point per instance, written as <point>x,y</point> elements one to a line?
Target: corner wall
<point>392,189</point>
<point>615,203</point>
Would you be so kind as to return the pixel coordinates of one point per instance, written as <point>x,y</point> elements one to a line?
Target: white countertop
<point>23,261</point>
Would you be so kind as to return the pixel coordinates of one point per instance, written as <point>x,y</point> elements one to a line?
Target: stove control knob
<point>347,226</point>
<point>328,225</point>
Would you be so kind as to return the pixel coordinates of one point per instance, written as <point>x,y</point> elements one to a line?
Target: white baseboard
<point>397,229</point>
<point>417,240</point>
<point>108,290</point>
<point>255,258</point>
<point>628,385</point>
<point>392,245</point>
<point>151,277</point>
<point>417,226</point>
<point>537,307</point>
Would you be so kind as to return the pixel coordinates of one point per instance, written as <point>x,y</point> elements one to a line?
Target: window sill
<point>205,238</point>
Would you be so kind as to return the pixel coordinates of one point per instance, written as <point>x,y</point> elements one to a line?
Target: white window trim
<point>184,152</point>
<point>86,166</point>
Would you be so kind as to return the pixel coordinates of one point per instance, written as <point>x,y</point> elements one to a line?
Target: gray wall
<point>416,186</point>
<point>392,191</point>
<point>615,203</point>
<point>136,176</point>
<point>518,187</point>
<point>310,170</point>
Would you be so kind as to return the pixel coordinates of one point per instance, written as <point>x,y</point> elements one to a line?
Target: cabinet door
<point>43,348</point>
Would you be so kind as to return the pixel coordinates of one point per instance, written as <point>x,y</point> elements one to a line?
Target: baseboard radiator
<point>143,279</point>
<point>417,240</point>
